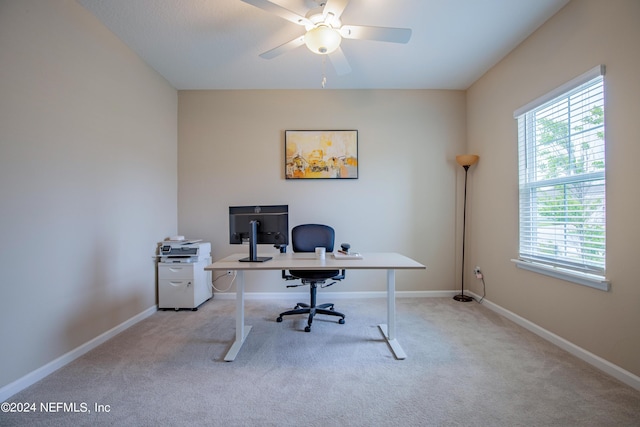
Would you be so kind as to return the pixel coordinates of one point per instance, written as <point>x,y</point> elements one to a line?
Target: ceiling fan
<point>324,31</point>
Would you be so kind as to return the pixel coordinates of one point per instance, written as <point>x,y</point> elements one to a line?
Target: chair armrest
<point>286,276</point>
<point>340,276</point>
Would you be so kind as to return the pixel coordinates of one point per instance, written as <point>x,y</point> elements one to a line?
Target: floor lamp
<point>465,160</point>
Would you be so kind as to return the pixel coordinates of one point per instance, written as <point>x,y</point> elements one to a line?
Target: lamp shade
<point>467,159</point>
<point>322,39</point>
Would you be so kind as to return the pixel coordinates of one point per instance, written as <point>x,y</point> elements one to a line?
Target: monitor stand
<point>253,246</point>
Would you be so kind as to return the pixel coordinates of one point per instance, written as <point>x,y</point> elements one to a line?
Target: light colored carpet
<point>465,366</point>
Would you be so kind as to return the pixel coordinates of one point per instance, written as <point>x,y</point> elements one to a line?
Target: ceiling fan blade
<point>298,41</point>
<point>339,62</point>
<point>382,34</point>
<point>278,10</point>
<point>335,7</point>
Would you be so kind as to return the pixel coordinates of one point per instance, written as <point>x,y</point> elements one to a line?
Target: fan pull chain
<point>324,67</point>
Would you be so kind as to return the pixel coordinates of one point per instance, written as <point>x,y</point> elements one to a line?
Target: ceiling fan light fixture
<point>322,39</point>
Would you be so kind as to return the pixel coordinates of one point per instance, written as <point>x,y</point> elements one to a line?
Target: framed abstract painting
<point>321,154</point>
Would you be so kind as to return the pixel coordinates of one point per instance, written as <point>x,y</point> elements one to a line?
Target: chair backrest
<point>308,237</point>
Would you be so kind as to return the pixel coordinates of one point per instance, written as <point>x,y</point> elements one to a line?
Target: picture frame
<point>321,154</point>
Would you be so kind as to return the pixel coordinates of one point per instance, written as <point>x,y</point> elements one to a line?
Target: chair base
<point>302,308</point>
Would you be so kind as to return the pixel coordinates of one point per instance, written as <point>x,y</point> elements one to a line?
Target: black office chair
<point>306,238</point>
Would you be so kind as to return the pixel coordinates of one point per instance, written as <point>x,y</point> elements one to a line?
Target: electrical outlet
<point>477,272</point>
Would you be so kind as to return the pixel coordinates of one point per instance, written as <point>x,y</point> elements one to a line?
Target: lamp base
<point>463,298</point>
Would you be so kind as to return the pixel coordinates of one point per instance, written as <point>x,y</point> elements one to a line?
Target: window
<point>561,152</point>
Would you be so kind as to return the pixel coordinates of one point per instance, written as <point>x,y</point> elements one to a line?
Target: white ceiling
<point>214,44</point>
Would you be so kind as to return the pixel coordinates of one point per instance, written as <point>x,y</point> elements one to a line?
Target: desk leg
<point>241,330</point>
<point>389,330</point>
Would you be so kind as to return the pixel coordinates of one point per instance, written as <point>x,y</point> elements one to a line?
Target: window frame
<point>555,267</point>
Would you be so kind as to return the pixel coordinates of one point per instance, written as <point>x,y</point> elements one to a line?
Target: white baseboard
<point>334,295</point>
<point>35,376</point>
<point>596,361</point>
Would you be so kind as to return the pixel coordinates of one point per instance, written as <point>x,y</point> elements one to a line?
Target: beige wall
<point>582,35</point>
<point>231,152</point>
<point>88,161</point>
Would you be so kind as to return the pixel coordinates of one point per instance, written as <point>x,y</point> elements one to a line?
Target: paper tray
<point>353,255</point>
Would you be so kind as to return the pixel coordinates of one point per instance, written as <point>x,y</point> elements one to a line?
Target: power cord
<point>480,276</point>
<point>215,279</point>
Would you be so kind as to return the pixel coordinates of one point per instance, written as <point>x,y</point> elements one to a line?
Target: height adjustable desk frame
<point>303,261</point>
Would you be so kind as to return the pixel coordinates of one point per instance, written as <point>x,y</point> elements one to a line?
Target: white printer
<point>182,281</point>
<point>183,250</point>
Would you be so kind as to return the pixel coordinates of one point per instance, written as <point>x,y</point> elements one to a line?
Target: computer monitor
<point>259,225</point>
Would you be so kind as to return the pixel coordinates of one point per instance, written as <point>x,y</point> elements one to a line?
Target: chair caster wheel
<point>341,321</point>
<point>279,319</point>
<point>307,328</point>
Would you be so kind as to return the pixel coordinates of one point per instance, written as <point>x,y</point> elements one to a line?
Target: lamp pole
<point>461,296</point>
<point>465,160</point>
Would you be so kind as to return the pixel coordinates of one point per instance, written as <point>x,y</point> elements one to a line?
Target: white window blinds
<point>561,150</point>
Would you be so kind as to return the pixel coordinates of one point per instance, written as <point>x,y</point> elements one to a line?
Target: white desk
<point>307,261</point>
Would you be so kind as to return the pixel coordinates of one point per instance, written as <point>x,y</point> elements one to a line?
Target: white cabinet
<point>183,285</point>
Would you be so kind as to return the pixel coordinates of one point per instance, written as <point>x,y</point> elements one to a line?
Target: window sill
<point>591,280</point>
